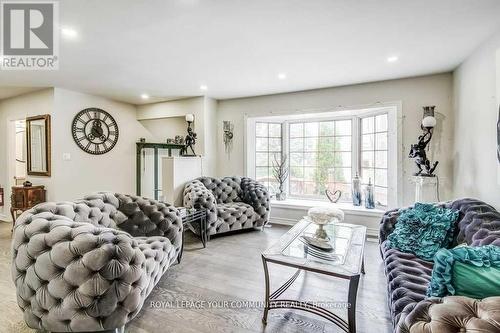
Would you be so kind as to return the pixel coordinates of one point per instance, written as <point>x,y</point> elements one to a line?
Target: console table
<point>24,198</point>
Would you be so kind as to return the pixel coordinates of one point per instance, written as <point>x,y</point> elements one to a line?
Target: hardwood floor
<point>190,297</point>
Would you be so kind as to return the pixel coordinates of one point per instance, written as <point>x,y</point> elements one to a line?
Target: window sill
<point>346,207</point>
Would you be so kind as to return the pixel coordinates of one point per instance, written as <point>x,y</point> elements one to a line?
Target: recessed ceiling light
<point>144,96</point>
<point>282,76</point>
<point>203,87</point>
<point>69,32</point>
<point>392,59</point>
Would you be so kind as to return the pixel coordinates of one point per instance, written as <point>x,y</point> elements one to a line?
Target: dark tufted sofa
<point>408,277</point>
<point>232,203</point>
<point>88,265</point>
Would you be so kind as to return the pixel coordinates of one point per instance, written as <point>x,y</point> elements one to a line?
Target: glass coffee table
<point>343,261</point>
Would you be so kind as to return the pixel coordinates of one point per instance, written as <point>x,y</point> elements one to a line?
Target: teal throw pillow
<point>466,271</point>
<point>423,230</point>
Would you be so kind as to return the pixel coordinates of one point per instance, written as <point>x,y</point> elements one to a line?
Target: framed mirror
<point>38,145</point>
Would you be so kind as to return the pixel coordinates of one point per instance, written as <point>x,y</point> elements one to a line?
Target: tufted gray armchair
<point>232,203</point>
<point>88,265</point>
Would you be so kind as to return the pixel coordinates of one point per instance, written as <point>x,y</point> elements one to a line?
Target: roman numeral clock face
<point>95,131</point>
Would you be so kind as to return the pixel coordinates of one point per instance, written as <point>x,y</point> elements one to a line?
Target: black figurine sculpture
<point>417,152</point>
<point>189,142</point>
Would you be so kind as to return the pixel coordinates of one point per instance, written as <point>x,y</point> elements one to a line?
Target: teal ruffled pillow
<point>423,230</point>
<point>466,271</point>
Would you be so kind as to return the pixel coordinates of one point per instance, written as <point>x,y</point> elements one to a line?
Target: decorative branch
<point>280,171</point>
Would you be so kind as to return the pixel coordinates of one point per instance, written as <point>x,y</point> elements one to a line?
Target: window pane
<point>274,144</point>
<point>261,129</point>
<point>367,125</point>
<point>274,158</point>
<point>326,128</point>
<point>310,159</point>
<point>326,159</point>
<point>343,127</point>
<point>381,159</point>
<point>343,175</point>
<point>311,129</point>
<point>381,195</point>
<point>345,189</point>
<point>271,177</point>
<point>261,159</point>
<point>381,177</point>
<point>296,187</point>
<point>261,144</point>
<point>367,174</point>
<point>309,188</point>
<point>296,173</point>
<point>342,159</point>
<point>381,123</point>
<point>261,173</point>
<point>367,142</point>
<point>296,159</point>
<point>297,144</point>
<point>273,187</point>
<point>343,143</point>
<point>310,144</point>
<point>275,130</point>
<point>326,143</point>
<point>381,141</point>
<point>367,159</point>
<point>296,130</point>
<point>309,174</point>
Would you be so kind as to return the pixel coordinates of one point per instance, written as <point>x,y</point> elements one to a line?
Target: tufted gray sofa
<point>232,203</point>
<point>408,277</point>
<point>88,265</point>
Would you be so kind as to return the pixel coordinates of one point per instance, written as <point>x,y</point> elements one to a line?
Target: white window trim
<point>395,143</point>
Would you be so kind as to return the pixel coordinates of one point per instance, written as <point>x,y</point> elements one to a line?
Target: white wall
<point>211,143</point>
<point>164,128</point>
<point>85,173</point>
<point>477,99</point>
<point>16,108</point>
<point>412,93</point>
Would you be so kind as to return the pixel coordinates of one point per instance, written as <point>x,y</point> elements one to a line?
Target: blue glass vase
<point>356,190</point>
<point>369,195</point>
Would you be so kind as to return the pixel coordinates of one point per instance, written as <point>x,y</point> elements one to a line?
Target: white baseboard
<point>370,232</point>
<point>4,217</point>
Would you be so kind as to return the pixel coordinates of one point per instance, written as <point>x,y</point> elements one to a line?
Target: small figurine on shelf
<point>369,195</point>
<point>356,190</point>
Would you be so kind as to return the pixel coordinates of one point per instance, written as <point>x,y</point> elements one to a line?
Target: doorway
<point>20,152</point>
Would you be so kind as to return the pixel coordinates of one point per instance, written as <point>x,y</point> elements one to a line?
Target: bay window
<point>324,151</point>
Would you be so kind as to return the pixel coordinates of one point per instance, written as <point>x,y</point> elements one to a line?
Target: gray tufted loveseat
<point>408,277</point>
<point>232,203</point>
<point>88,265</point>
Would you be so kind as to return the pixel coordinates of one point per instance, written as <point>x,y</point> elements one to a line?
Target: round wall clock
<point>95,131</point>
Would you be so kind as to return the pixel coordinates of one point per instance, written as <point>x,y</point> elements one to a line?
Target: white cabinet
<point>176,172</point>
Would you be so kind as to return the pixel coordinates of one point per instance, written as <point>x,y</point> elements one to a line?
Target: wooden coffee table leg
<point>351,298</point>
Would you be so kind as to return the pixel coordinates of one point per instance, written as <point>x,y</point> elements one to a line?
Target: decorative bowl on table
<point>324,215</point>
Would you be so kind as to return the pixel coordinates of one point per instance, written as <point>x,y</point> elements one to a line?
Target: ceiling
<point>7,92</point>
<point>167,49</point>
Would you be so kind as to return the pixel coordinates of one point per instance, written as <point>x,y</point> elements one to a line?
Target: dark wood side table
<point>24,198</point>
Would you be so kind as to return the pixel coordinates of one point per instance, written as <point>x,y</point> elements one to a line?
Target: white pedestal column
<point>426,188</point>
